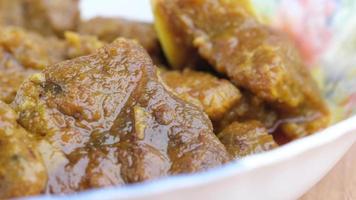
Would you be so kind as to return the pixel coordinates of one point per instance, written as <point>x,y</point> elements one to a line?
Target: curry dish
<point>109,101</point>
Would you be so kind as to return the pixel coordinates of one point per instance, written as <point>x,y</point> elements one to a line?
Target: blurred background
<point>141,11</point>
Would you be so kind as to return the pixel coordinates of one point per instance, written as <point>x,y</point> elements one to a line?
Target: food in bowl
<point>108,106</point>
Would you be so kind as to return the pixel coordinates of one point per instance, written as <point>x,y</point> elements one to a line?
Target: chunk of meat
<point>114,121</point>
<point>219,98</point>
<point>23,53</point>
<point>22,171</point>
<point>46,17</point>
<point>249,108</point>
<point>52,17</point>
<point>246,138</point>
<point>11,12</point>
<point>81,45</point>
<point>253,56</point>
<point>12,74</point>
<point>215,96</point>
<point>30,49</point>
<point>108,29</point>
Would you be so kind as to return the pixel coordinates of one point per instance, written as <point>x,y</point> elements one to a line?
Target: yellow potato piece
<point>179,52</point>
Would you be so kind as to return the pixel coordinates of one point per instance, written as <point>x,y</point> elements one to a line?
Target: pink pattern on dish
<point>349,104</point>
<point>308,23</point>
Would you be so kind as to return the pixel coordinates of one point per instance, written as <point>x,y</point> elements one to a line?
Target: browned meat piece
<point>52,17</point>
<point>30,49</point>
<point>252,55</point>
<point>81,45</point>
<point>12,74</point>
<point>215,96</point>
<point>246,138</point>
<point>11,12</point>
<point>22,171</point>
<point>46,17</point>
<point>114,121</point>
<point>221,100</point>
<point>21,54</point>
<point>108,29</point>
<point>249,108</point>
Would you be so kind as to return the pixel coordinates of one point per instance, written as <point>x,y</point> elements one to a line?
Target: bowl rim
<point>243,165</point>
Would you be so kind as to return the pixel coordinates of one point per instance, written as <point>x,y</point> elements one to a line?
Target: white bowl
<point>284,173</point>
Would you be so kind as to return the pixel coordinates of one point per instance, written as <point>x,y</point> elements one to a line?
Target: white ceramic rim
<point>236,167</point>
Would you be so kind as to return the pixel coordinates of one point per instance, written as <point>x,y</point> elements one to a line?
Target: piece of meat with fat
<point>109,114</point>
